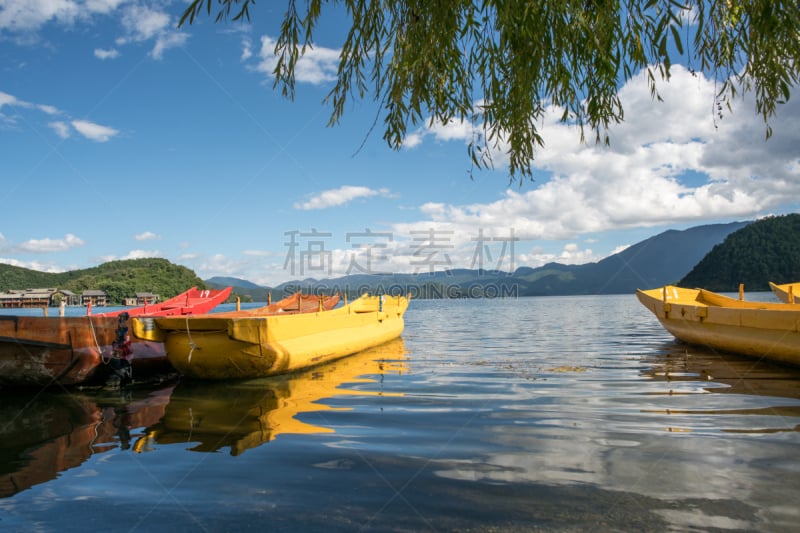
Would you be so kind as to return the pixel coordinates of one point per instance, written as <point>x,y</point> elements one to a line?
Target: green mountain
<point>766,250</point>
<point>119,279</point>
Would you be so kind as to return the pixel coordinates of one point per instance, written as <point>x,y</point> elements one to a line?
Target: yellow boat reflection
<point>245,414</point>
<point>724,372</point>
<point>729,374</point>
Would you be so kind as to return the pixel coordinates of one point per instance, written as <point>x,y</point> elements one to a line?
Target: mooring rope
<point>96,343</point>
<point>192,345</point>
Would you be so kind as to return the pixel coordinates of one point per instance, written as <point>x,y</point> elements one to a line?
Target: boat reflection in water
<point>245,414</point>
<point>767,390</point>
<point>46,433</point>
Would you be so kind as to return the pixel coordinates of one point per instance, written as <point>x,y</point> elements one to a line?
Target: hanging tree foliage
<point>499,63</point>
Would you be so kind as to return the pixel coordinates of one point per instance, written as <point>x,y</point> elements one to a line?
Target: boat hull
<point>756,329</point>
<point>36,351</point>
<point>245,347</point>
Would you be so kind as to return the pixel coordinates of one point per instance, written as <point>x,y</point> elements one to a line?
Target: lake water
<point>552,414</point>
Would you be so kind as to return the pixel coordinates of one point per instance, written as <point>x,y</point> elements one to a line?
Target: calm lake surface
<point>553,414</point>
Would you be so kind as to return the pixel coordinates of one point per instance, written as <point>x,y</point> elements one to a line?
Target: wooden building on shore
<point>49,297</point>
<point>32,298</point>
<point>97,298</point>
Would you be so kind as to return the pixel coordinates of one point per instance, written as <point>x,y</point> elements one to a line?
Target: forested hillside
<point>766,250</point>
<point>119,279</point>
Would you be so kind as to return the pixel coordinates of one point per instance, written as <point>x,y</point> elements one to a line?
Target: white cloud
<point>103,6</point>
<point>90,130</point>
<point>93,131</point>
<point>50,110</point>
<point>7,99</point>
<point>454,130</point>
<point>31,15</point>
<point>12,101</point>
<point>146,236</point>
<point>133,254</point>
<point>571,254</point>
<point>106,54</point>
<point>27,15</point>
<point>41,246</point>
<point>413,140</point>
<point>165,41</point>
<point>219,264</point>
<point>340,196</point>
<point>140,22</point>
<point>247,50</point>
<point>32,265</point>
<point>318,65</point>
<point>141,254</point>
<point>61,129</point>
<point>143,23</point>
<point>619,249</point>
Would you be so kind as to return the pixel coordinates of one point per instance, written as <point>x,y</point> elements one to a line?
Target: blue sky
<point>124,137</point>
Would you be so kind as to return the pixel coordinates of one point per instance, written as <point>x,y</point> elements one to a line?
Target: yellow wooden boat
<point>758,329</point>
<point>786,292</point>
<point>237,346</point>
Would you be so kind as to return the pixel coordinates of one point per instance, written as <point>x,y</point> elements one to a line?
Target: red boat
<point>192,302</point>
<point>72,350</point>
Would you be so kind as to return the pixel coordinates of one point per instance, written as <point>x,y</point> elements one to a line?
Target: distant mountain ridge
<point>225,281</point>
<point>659,260</point>
<point>245,290</point>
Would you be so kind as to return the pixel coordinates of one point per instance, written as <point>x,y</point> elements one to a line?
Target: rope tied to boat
<point>192,345</point>
<point>96,343</point>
